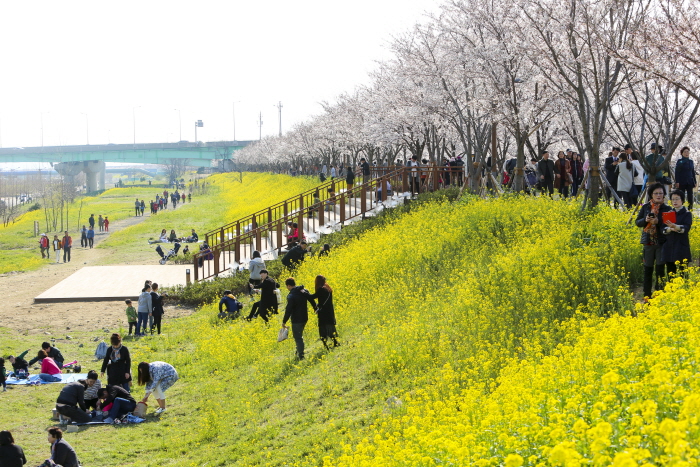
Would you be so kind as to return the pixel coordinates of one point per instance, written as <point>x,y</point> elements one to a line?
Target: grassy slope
<point>224,200</point>
<point>410,298</point>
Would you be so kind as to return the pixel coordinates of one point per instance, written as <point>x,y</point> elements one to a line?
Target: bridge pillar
<point>68,169</point>
<point>93,169</point>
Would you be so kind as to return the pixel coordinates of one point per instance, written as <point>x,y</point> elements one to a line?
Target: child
<point>3,374</point>
<point>130,315</point>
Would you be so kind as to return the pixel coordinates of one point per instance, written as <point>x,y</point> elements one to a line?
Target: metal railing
<point>319,210</point>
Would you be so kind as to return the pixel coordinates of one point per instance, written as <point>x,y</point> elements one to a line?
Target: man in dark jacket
<point>62,453</point>
<point>122,402</point>
<point>298,313</point>
<point>19,363</point>
<point>295,255</point>
<point>71,401</point>
<point>611,174</point>
<point>685,176</point>
<point>232,305</point>
<point>268,300</point>
<point>52,352</point>
<point>365,170</point>
<point>545,172</point>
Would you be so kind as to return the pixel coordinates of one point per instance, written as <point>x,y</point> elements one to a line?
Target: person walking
<point>562,175</point>
<point>91,221</point>
<point>101,223</point>
<point>144,310</point>
<point>545,171</point>
<point>650,220</point>
<point>625,172</point>
<point>57,248</point>
<point>297,312</point>
<point>142,205</point>
<point>11,455</point>
<point>158,378</point>
<point>106,224</point>
<point>137,207</point>
<point>364,167</point>
<point>90,236</point>
<point>268,297</point>
<point>685,176</point>
<point>44,246</point>
<point>325,312</point>
<point>117,363</point>
<point>349,181</point>
<point>67,244</point>
<point>611,163</point>
<point>83,237</point>
<point>255,266</point>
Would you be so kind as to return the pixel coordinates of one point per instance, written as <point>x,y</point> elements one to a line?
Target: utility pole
<point>260,124</point>
<point>197,124</point>
<point>279,108</point>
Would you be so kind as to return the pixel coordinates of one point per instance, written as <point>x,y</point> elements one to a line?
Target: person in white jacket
<point>255,266</point>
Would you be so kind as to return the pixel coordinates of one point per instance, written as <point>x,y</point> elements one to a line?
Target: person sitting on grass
<point>94,386</point>
<point>19,363</point>
<point>10,453</point>
<point>122,402</point>
<point>173,236</point>
<point>50,371</point>
<point>51,351</point>
<point>62,453</point>
<point>163,238</point>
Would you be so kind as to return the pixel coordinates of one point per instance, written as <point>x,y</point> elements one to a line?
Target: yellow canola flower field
<point>625,393</point>
<point>474,332</point>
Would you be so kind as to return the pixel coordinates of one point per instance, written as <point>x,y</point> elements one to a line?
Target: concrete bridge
<point>71,160</point>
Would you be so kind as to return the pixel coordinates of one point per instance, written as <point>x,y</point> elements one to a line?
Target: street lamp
<point>87,129</point>
<point>234,119</point>
<point>133,112</point>
<point>180,115</point>
<point>42,127</point>
<point>197,124</point>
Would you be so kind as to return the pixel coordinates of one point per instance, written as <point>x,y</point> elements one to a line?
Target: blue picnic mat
<point>34,379</point>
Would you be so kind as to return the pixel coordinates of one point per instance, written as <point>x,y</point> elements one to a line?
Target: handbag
<point>283,334</point>
<point>666,180</point>
<point>569,178</point>
<point>140,410</point>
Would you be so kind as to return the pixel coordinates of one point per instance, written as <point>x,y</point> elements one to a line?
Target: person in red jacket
<point>44,246</point>
<point>67,244</point>
<point>106,224</point>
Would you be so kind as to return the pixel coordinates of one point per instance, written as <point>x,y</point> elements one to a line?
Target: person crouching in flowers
<point>158,377</point>
<point>649,219</point>
<point>676,248</point>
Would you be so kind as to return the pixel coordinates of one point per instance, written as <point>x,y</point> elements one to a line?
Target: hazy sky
<point>61,60</point>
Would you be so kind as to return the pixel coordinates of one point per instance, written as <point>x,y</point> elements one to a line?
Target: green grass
<point>243,400</point>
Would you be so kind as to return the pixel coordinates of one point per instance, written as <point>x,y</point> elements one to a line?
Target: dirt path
<point>18,311</point>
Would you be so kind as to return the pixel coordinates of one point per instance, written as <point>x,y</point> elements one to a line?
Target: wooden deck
<point>110,283</point>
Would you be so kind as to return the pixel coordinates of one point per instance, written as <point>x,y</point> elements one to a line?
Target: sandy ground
<point>18,312</point>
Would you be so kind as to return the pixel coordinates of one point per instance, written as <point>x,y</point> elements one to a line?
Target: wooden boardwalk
<point>110,283</point>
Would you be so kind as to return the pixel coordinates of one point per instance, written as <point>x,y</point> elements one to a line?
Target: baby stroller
<point>165,257</point>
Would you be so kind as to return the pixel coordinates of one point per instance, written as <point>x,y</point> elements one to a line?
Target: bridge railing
<point>268,228</point>
<point>285,208</point>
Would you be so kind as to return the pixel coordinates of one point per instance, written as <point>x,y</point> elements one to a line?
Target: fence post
<point>342,208</point>
<point>195,266</point>
<point>363,200</point>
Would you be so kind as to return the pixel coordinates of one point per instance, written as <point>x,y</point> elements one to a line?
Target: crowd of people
<point>161,202</point>
<point>87,400</point>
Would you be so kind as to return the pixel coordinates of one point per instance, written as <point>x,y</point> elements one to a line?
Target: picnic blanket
<point>34,379</point>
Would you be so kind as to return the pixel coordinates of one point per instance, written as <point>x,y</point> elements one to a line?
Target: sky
<point>118,72</point>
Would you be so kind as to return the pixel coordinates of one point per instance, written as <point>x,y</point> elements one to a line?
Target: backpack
<point>101,351</point>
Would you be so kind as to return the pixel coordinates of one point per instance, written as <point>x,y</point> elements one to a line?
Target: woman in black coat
<point>677,244</point>
<point>325,312</point>
<point>117,362</point>
<point>11,455</point>
<point>157,301</point>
